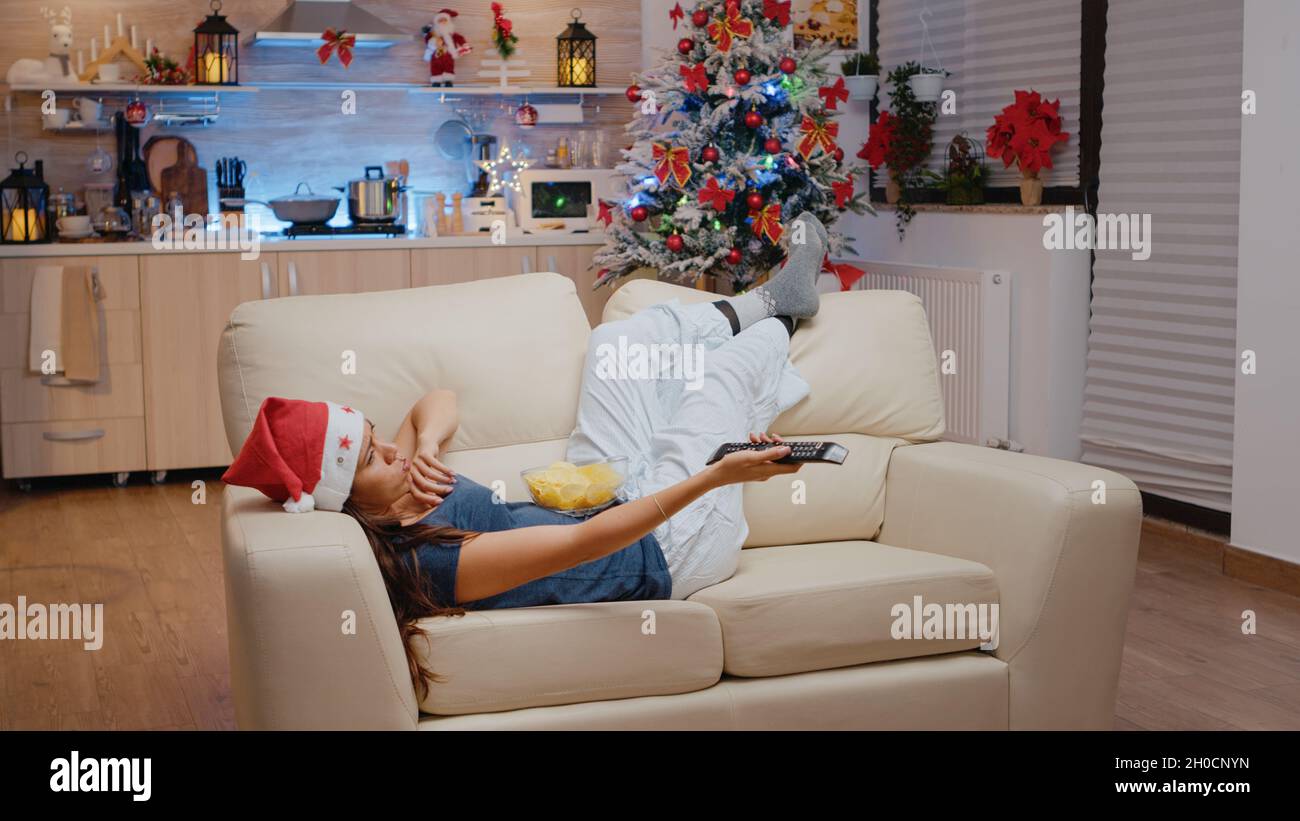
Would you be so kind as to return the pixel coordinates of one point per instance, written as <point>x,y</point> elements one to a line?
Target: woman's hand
<point>755,465</point>
<point>429,478</point>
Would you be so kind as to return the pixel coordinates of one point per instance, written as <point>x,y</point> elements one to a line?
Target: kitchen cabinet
<point>342,272</point>
<point>574,261</point>
<point>447,266</point>
<point>48,429</point>
<point>185,304</point>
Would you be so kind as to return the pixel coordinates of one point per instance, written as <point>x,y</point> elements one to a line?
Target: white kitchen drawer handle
<point>293,279</point>
<point>266,281</point>
<point>73,435</point>
<point>551,266</point>
<point>54,380</point>
<point>525,265</point>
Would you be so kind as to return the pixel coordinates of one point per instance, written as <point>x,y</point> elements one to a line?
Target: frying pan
<point>297,208</point>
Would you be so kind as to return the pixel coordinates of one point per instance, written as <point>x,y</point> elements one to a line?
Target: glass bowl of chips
<point>577,489</point>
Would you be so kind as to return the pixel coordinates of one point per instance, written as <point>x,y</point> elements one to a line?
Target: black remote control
<point>829,452</point>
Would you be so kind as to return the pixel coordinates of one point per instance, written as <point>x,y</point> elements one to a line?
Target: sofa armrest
<point>293,662</point>
<point>1064,564</point>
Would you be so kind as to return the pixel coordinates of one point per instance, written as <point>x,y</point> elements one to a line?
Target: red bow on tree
<point>672,162</point>
<point>675,14</point>
<point>815,133</point>
<point>694,77</point>
<point>604,215</point>
<point>832,96</point>
<point>767,222</point>
<point>847,274</point>
<point>843,192</point>
<point>715,195</point>
<point>732,25</point>
<point>340,40</point>
<point>777,12</point>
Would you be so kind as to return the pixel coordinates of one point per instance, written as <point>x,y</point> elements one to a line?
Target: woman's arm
<point>498,561</point>
<point>422,437</point>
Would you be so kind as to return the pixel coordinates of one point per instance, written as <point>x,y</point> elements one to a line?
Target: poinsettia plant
<point>503,33</point>
<point>164,71</point>
<point>902,140</point>
<point>1025,132</point>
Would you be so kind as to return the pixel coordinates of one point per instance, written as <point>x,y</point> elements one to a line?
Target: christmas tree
<point>735,136</point>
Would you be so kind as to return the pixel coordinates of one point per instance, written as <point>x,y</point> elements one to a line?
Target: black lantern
<point>216,50</point>
<point>23,199</point>
<point>575,54</point>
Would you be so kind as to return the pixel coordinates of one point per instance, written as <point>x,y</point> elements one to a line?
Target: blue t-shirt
<point>636,572</point>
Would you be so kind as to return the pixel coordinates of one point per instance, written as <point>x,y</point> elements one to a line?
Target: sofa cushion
<point>568,653</point>
<point>511,348</point>
<point>823,503</point>
<point>867,356</point>
<point>795,608</point>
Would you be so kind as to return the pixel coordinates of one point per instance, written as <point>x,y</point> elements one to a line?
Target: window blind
<point>1162,346</point>
<point>992,48</point>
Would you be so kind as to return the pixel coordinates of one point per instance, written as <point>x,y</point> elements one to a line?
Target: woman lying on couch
<point>444,544</point>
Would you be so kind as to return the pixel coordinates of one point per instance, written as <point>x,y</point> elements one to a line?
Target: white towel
<point>46,319</point>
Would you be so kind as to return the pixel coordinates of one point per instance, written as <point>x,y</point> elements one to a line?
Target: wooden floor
<point>154,559</point>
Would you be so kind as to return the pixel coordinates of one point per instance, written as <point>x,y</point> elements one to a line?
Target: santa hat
<point>303,454</point>
<point>449,12</point>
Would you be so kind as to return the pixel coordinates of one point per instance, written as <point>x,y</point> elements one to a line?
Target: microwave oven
<point>556,199</point>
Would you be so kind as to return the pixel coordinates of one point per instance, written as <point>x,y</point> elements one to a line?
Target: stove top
<point>368,229</point>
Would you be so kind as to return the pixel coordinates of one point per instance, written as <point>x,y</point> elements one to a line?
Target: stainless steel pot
<point>299,209</point>
<point>375,197</point>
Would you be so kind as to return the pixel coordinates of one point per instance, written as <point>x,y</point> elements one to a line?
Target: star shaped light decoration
<point>503,172</point>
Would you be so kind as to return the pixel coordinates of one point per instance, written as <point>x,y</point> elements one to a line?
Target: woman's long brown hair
<point>395,547</point>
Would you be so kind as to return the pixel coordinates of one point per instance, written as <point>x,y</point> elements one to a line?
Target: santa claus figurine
<point>442,45</point>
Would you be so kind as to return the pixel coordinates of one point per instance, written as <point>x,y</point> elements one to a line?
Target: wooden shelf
<point>92,89</point>
<point>97,89</point>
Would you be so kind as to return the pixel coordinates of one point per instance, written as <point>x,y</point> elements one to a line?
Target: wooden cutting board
<point>187,179</point>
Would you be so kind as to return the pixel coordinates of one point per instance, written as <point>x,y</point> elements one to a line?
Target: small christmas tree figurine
<point>735,136</point>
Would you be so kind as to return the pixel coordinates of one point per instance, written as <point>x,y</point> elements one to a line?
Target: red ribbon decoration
<point>340,40</point>
<point>843,192</point>
<point>832,96</point>
<point>675,14</point>
<point>817,133</point>
<point>605,215</point>
<point>672,162</point>
<point>694,77</point>
<point>715,195</point>
<point>777,12</point>
<point>767,222</point>
<point>732,25</point>
<point>847,274</point>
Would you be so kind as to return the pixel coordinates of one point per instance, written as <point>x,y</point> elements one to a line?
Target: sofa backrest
<point>511,347</point>
<point>871,366</point>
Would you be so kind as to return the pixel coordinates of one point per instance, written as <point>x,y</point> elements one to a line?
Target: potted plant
<point>901,140</point>
<point>1024,133</point>
<point>927,84</point>
<point>966,174</point>
<point>861,75</point>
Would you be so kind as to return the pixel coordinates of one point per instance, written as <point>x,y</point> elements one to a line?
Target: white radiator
<point>969,311</point>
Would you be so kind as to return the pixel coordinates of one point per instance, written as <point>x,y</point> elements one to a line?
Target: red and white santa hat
<point>302,454</point>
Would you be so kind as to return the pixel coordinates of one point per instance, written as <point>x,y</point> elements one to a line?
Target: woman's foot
<point>793,291</point>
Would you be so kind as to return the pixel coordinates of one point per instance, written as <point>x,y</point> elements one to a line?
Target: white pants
<point>668,422</point>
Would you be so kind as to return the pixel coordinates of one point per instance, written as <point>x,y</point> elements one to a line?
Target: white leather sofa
<point>800,637</point>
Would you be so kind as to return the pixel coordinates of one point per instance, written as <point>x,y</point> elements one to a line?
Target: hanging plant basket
<point>927,87</point>
<point>862,86</point>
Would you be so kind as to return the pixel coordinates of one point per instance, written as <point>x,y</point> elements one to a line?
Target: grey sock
<point>793,291</point>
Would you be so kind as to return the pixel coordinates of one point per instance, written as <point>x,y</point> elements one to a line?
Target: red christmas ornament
<point>674,242</point>
<point>137,113</point>
<point>754,200</point>
<point>772,145</point>
<point>710,154</point>
<point>734,256</point>
<point>526,116</point>
<point>787,65</point>
<point>640,212</point>
<point>753,119</point>
<point>743,76</point>
<point>700,18</point>
<point>685,45</point>
<point>634,93</point>
<point>839,154</point>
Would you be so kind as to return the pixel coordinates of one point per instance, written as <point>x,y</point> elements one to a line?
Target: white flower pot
<point>861,86</point>
<point>926,87</point>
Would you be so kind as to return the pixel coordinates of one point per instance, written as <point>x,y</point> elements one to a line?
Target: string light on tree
<point>503,172</point>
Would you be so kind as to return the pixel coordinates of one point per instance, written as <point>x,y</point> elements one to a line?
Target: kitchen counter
<point>274,244</point>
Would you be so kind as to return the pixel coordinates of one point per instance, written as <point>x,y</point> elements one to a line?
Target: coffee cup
<point>90,110</point>
<point>57,118</point>
<point>110,73</point>
<point>74,224</point>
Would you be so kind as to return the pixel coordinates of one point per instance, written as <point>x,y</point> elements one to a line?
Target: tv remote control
<point>829,452</point>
